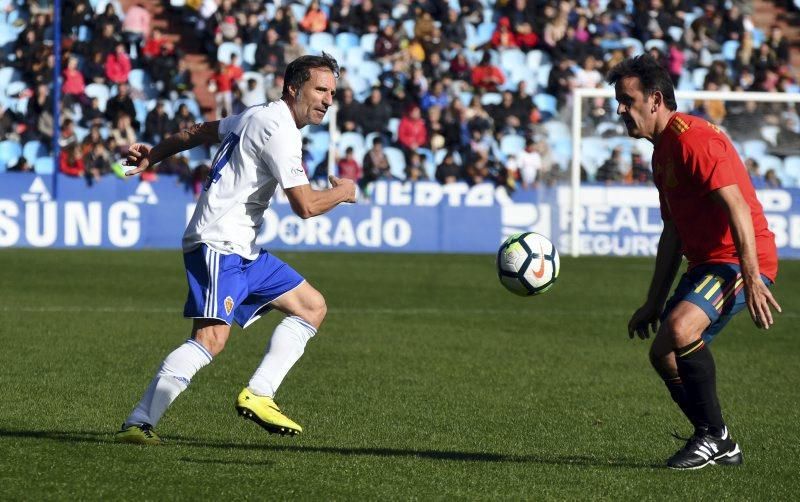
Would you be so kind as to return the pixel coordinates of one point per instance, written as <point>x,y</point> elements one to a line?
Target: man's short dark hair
<point>299,71</point>
<point>652,76</point>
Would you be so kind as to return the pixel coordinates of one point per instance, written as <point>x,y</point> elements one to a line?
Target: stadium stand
<point>537,51</point>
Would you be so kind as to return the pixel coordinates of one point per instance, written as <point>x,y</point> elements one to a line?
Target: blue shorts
<point>231,288</point>
<point>716,288</point>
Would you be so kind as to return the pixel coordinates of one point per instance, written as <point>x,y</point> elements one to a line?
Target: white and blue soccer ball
<point>527,264</point>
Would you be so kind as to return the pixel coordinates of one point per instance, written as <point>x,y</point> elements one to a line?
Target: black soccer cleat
<point>703,449</point>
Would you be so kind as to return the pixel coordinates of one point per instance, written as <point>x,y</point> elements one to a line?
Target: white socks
<point>287,345</point>
<point>172,378</point>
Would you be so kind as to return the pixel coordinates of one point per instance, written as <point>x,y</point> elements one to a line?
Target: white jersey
<point>261,148</point>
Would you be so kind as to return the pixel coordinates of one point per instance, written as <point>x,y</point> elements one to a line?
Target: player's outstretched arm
<point>307,202</point>
<point>668,261</point>
<point>758,296</point>
<point>143,156</point>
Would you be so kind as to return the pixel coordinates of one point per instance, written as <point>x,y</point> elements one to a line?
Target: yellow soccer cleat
<point>138,434</point>
<point>263,411</point>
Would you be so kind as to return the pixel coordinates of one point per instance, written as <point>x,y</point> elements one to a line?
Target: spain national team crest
<point>228,305</point>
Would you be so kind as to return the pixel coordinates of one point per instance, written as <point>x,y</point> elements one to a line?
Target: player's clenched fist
<point>139,157</point>
<point>347,183</point>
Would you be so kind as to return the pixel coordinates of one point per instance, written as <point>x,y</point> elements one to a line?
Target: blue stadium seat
<point>675,33</point>
<point>249,55</point>
<point>629,42</point>
<point>791,168</point>
<point>10,152</point>
<point>484,33</point>
<point>347,41</point>
<point>472,36</point>
<point>99,91</point>
<point>8,74</point>
<point>140,81</point>
<point>510,59</point>
<point>298,11</point>
<point>43,165</point>
<point>354,56</point>
<point>767,162</point>
<point>226,49</point>
<point>393,126</point>
<point>14,88</point>
<point>491,98</point>
<point>754,148</point>
<point>543,75</point>
<point>33,150</point>
<point>370,71</point>
<point>729,49</point>
<point>359,86</point>
<point>546,103</point>
<point>770,134</point>
<point>699,77</point>
<point>408,26</point>
<point>354,140</point>
<point>368,42</point>
<point>556,129</point>
<point>318,42</point>
<point>318,144</point>
<point>428,162</point>
<point>758,37</point>
<point>536,58</point>
<point>81,133</point>
<point>397,162</point>
<point>657,44</point>
<point>140,106</point>
<point>512,144</point>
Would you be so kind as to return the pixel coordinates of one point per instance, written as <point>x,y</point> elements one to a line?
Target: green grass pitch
<point>427,381</point>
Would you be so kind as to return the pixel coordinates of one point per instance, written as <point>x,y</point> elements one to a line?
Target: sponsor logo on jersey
<point>298,171</point>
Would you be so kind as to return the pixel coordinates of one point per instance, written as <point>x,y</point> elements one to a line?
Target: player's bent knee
<point>315,309</point>
<point>678,330</point>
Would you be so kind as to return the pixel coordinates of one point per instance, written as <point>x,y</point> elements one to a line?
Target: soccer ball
<point>527,264</point>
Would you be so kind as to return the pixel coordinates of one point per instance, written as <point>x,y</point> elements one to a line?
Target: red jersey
<point>692,159</point>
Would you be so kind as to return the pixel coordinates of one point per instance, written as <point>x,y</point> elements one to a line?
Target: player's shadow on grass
<point>457,456</point>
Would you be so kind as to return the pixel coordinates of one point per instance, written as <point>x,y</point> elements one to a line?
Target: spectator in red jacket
<point>118,65</point>
<point>348,166</point>
<point>152,46</point>
<point>412,132</point>
<point>70,161</point>
<point>503,37</point>
<point>222,82</point>
<point>486,76</point>
<point>74,84</point>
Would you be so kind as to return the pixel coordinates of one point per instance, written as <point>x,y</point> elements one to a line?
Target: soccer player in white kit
<point>230,278</point>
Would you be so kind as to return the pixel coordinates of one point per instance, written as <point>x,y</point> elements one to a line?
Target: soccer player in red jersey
<point>711,216</point>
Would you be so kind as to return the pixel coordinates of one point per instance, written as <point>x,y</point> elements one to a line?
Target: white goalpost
<point>577,122</point>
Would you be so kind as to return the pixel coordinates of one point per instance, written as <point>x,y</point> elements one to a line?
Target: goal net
<point>611,190</point>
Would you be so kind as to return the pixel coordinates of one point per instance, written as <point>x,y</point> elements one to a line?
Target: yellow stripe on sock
<point>703,284</point>
<point>694,348</point>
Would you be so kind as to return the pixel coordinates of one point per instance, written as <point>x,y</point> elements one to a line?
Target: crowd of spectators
<point>98,113</point>
<point>442,95</point>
